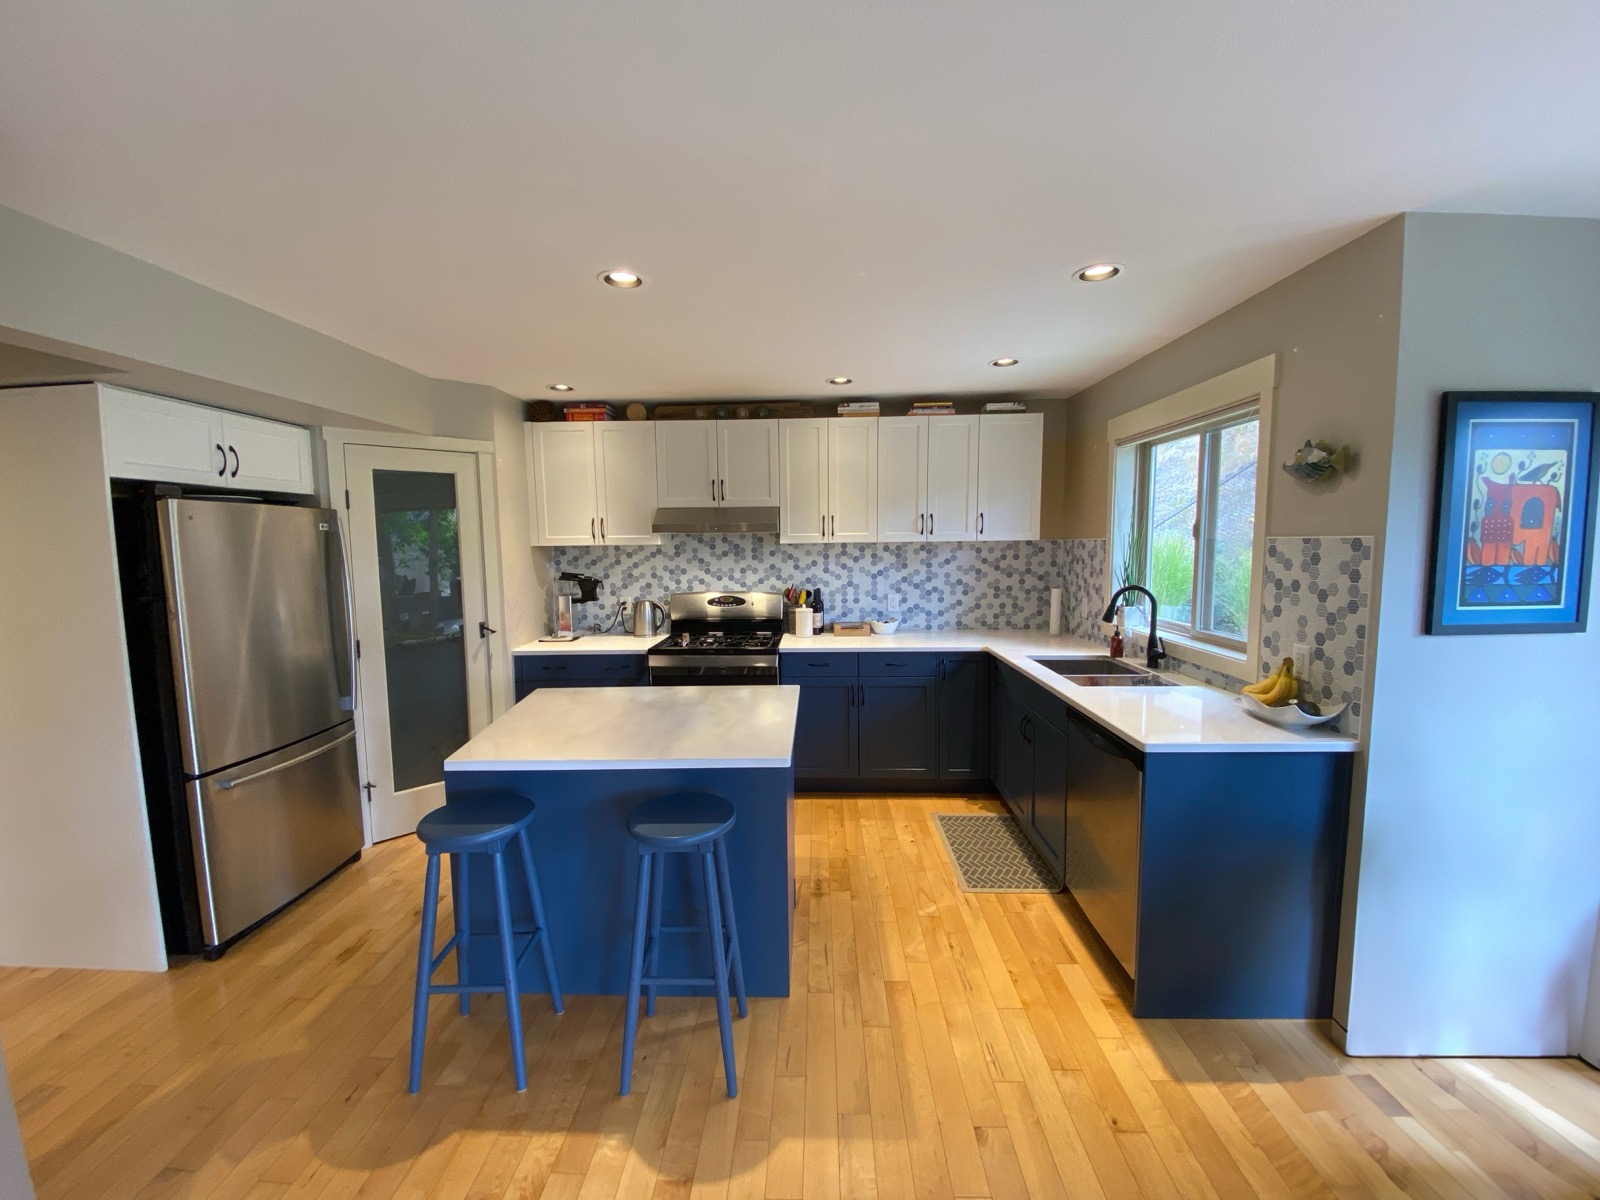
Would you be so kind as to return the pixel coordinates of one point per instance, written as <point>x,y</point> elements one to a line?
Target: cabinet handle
<point>919,524</point>
<point>235,454</point>
<point>713,491</point>
<point>930,524</point>
<point>223,455</point>
<point>980,524</point>
<point>591,529</point>
<point>851,693</point>
<point>833,526</point>
<point>863,688</point>
<point>602,529</point>
<point>724,489</point>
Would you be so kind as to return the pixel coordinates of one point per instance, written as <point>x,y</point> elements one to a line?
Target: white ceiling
<point>886,189</point>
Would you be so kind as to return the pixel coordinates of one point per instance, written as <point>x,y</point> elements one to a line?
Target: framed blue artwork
<point>1513,534</point>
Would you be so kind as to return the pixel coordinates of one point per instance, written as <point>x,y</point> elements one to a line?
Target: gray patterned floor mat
<point>992,854</point>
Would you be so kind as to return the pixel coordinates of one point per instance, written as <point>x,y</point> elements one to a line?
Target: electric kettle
<point>648,618</point>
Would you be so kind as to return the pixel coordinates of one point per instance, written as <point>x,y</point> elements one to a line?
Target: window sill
<point>1234,663</point>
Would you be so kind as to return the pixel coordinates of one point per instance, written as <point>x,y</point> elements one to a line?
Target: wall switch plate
<point>1302,661</point>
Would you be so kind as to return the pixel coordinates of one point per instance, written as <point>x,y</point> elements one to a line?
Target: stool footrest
<point>683,980</point>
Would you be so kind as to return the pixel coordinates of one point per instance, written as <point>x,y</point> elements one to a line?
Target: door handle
<point>222,454</point>
<point>484,630</point>
<point>229,784</point>
<point>235,454</point>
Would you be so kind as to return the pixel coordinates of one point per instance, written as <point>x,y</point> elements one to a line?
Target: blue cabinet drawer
<point>890,666</point>
<point>795,665</point>
<point>545,670</point>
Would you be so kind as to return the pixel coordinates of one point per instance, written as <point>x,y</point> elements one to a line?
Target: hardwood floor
<point>937,1044</point>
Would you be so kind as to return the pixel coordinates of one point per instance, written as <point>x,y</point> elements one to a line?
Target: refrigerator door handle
<point>352,646</point>
<point>227,784</point>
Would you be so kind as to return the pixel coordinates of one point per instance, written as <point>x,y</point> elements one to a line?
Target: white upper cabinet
<point>170,441</point>
<point>1010,461</point>
<point>928,479</point>
<point>829,479</point>
<point>853,479</point>
<point>591,483</point>
<point>952,489</point>
<point>686,463</point>
<point>625,466</point>
<point>902,479</point>
<point>803,510</point>
<point>747,464</point>
<point>267,454</point>
<point>561,483</point>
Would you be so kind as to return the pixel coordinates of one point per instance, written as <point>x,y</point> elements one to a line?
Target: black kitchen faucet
<point>1155,650</point>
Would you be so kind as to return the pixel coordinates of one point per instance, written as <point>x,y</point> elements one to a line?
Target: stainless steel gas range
<point>719,638</point>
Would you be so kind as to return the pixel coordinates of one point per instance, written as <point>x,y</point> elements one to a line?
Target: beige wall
<point>77,883</point>
<point>1335,327</point>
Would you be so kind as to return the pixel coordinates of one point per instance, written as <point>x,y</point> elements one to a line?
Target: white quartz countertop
<point>592,643</point>
<point>638,729</point>
<point>1190,717</point>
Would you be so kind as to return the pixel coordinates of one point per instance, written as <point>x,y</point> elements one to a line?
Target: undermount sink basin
<point>1074,667</point>
<point>1120,681</point>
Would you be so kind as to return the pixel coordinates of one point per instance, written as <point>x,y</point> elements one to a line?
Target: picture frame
<point>1513,538</point>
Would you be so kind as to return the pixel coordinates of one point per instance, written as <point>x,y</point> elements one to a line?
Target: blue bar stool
<point>683,823</point>
<point>478,823</point>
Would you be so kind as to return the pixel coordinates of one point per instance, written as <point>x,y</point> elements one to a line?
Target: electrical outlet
<point>1302,661</point>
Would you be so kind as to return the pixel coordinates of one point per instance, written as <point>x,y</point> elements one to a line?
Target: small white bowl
<point>888,625</point>
<point>1288,716</point>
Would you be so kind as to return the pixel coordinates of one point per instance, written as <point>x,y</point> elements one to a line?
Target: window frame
<point>1206,409</point>
<point>1203,534</point>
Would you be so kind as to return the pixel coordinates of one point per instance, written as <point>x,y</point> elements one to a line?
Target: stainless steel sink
<point>1074,667</point>
<point>1101,671</point>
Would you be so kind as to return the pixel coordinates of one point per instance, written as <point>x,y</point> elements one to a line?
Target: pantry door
<point>421,599</point>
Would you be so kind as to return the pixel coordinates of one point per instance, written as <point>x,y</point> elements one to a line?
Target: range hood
<point>715,520</point>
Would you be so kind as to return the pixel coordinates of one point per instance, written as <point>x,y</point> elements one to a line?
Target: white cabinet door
<point>561,480</point>
<point>625,480</point>
<point>268,455</point>
<point>803,493</point>
<point>686,464</point>
<point>1010,459</point>
<point>148,437</point>
<point>902,479</point>
<point>747,464</point>
<point>853,479</point>
<point>953,479</point>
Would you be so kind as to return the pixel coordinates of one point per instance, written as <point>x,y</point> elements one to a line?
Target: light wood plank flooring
<point>936,1045</point>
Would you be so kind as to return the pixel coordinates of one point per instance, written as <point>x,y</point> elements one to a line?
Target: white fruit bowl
<point>886,625</point>
<point>1288,716</point>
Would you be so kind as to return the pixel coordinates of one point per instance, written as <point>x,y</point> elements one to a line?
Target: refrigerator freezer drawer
<point>267,830</point>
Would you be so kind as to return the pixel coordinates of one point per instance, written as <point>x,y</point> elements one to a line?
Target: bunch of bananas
<point>1277,689</point>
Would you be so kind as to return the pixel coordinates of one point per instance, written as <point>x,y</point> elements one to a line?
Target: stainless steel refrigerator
<point>247,727</point>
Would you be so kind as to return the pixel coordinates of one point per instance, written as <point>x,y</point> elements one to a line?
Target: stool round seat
<point>680,820</point>
<point>475,821</point>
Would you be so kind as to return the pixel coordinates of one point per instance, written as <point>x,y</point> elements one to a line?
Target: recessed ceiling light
<point>559,387</point>
<point>840,380</point>
<point>1099,272</point>
<point>1003,362</point>
<point>621,279</point>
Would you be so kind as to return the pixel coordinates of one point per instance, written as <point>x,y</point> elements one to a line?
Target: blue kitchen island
<point>586,757</point>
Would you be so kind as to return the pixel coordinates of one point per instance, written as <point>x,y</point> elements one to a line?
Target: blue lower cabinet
<point>898,721</point>
<point>963,734</point>
<point>576,669</point>
<point>1014,757</point>
<point>1049,816</point>
<point>825,732</point>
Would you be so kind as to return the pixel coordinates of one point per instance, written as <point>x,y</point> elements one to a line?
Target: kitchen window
<point>1188,507</point>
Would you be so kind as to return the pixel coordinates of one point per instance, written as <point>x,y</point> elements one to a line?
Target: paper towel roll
<point>1055,612</point>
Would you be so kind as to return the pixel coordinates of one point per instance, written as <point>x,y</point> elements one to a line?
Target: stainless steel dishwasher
<point>1105,788</point>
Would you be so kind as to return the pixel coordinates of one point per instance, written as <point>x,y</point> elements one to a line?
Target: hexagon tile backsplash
<point>1314,590</point>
